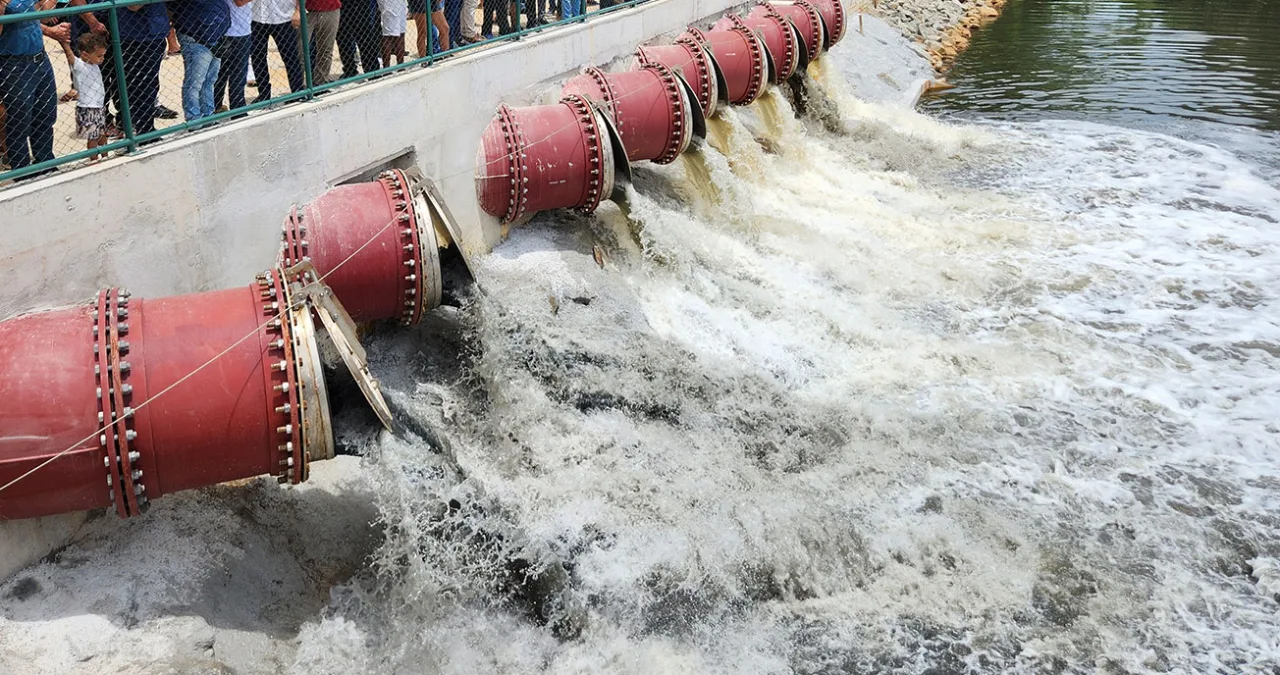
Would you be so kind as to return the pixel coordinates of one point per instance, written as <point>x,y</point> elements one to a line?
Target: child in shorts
<point>395,17</point>
<point>91,117</point>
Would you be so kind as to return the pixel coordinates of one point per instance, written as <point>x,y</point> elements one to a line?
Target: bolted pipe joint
<point>740,55</point>
<point>807,21</point>
<point>219,386</point>
<point>649,107</point>
<point>539,158</point>
<point>833,20</point>
<point>691,60</point>
<point>780,38</point>
<point>374,244</point>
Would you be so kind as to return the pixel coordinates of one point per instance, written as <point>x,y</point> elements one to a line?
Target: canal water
<point>1198,69</point>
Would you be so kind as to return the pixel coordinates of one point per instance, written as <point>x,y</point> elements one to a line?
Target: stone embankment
<point>943,27</point>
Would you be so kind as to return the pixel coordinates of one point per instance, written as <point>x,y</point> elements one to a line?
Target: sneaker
<point>165,113</point>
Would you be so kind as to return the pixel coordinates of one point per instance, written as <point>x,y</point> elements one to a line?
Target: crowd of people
<point>223,44</point>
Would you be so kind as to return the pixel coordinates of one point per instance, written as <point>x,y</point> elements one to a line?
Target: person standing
<point>275,20</point>
<point>470,33</point>
<point>27,88</point>
<point>201,25</point>
<point>144,34</point>
<point>496,15</point>
<point>394,16</point>
<point>358,33</point>
<point>91,118</point>
<point>418,12</point>
<point>229,89</point>
<point>322,23</point>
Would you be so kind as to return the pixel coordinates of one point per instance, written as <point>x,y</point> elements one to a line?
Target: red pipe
<point>833,19</point>
<point>741,57</point>
<point>545,157</point>
<point>373,244</point>
<point>693,62</point>
<point>152,397</point>
<point>648,107</point>
<point>779,38</point>
<point>808,21</point>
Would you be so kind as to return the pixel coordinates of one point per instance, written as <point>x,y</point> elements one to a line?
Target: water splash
<point>909,398</point>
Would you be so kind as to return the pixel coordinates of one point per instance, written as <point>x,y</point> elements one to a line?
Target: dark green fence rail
<point>132,142</point>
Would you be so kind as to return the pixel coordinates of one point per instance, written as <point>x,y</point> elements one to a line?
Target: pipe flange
<point>513,138</point>
<point>400,196</point>
<point>837,31</point>
<point>115,417</point>
<point>702,64</point>
<point>694,35</point>
<point>591,133</point>
<point>788,39</point>
<point>427,274</point>
<point>316,431</point>
<point>606,90</point>
<point>815,24</point>
<point>278,370</point>
<point>679,138</point>
<point>757,60</point>
<point>294,235</point>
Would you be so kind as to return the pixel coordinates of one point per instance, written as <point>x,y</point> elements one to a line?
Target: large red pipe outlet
<point>779,38</point>
<point>129,401</point>
<point>741,57</point>
<point>374,244</point>
<point>649,108</point>
<point>545,157</point>
<point>808,22</point>
<point>833,19</point>
<point>691,60</point>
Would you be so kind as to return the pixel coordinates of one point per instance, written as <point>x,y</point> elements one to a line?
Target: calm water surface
<point>1169,66</point>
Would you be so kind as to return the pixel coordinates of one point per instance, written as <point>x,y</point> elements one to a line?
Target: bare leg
<point>442,26</point>
<point>420,24</point>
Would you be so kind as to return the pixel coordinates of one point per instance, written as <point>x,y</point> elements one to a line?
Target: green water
<point>1175,66</point>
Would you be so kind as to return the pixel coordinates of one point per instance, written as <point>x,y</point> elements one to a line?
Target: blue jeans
<point>453,14</point>
<point>234,71</point>
<point>199,74</point>
<point>30,97</point>
<point>570,8</point>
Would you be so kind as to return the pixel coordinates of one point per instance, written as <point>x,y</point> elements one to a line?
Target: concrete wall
<point>203,211</point>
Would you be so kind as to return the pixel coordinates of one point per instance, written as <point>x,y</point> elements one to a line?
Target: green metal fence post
<point>304,45</point>
<point>126,118</point>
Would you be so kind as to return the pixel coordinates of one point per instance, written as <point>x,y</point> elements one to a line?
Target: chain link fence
<point>81,81</point>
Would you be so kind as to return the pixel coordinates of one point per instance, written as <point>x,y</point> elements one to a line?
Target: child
<point>91,118</point>
<point>395,18</point>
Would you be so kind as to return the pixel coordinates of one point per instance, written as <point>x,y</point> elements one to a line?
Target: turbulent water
<point>894,396</point>
<point>863,392</point>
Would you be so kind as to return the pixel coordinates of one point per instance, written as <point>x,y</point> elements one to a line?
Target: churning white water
<point>883,395</point>
<point>893,396</point>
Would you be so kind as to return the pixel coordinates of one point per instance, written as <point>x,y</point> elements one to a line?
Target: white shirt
<point>273,11</point>
<point>240,18</point>
<point>88,81</point>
